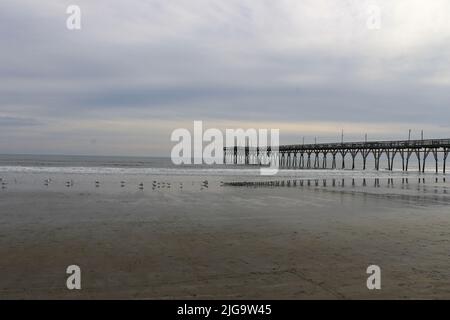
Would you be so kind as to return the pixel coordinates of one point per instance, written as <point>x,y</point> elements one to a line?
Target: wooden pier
<point>315,156</point>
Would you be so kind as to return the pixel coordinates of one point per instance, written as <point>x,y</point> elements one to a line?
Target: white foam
<point>316,173</point>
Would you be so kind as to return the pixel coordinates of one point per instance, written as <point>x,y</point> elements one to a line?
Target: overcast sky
<point>139,69</point>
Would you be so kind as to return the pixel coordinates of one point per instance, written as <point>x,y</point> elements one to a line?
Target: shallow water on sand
<point>203,233</point>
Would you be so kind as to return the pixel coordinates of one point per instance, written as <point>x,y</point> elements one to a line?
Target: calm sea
<point>159,165</point>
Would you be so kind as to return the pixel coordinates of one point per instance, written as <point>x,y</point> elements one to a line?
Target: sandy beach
<point>227,242</point>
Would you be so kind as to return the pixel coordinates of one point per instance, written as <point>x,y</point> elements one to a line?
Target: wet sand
<point>227,242</point>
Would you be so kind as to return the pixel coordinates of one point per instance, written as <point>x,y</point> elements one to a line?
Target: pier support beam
<point>316,160</point>
<point>418,159</point>
<point>394,152</point>
<point>425,155</point>
<point>408,155</point>
<point>435,155</point>
<point>333,163</point>
<point>354,153</point>
<point>247,156</point>
<point>377,155</point>
<point>308,163</point>
<point>445,159</point>
<point>324,160</point>
<point>388,155</point>
<point>365,153</point>
<point>402,155</point>
<point>343,153</point>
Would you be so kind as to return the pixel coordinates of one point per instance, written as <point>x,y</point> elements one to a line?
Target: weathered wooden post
<point>425,155</point>
<point>377,155</point>
<point>316,160</point>
<point>247,155</point>
<point>224,155</point>
<point>388,155</point>
<point>308,163</point>
<point>435,154</point>
<point>365,153</point>
<point>418,158</point>
<point>402,154</point>
<point>445,159</point>
<point>354,153</point>
<point>333,164</point>
<point>343,153</point>
<point>394,152</point>
<point>408,155</point>
<point>324,160</point>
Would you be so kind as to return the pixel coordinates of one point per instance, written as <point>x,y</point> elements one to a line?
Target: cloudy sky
<point>139,69</point>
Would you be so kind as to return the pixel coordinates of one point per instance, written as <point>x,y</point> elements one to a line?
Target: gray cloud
<point>17,122</point>
<point>253,61</point>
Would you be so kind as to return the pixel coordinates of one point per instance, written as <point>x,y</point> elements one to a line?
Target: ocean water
<point>101,174</point>
<point>146,228</point>
<point>164,166</point>
<point>23,167</point>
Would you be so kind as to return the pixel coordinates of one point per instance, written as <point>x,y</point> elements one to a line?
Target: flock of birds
<point>155,184</point>
<point>4,183</point>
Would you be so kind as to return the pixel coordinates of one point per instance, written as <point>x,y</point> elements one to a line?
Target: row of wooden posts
<point>317,158</point>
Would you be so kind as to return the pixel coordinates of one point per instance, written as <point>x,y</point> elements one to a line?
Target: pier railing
<point>428,143</point>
